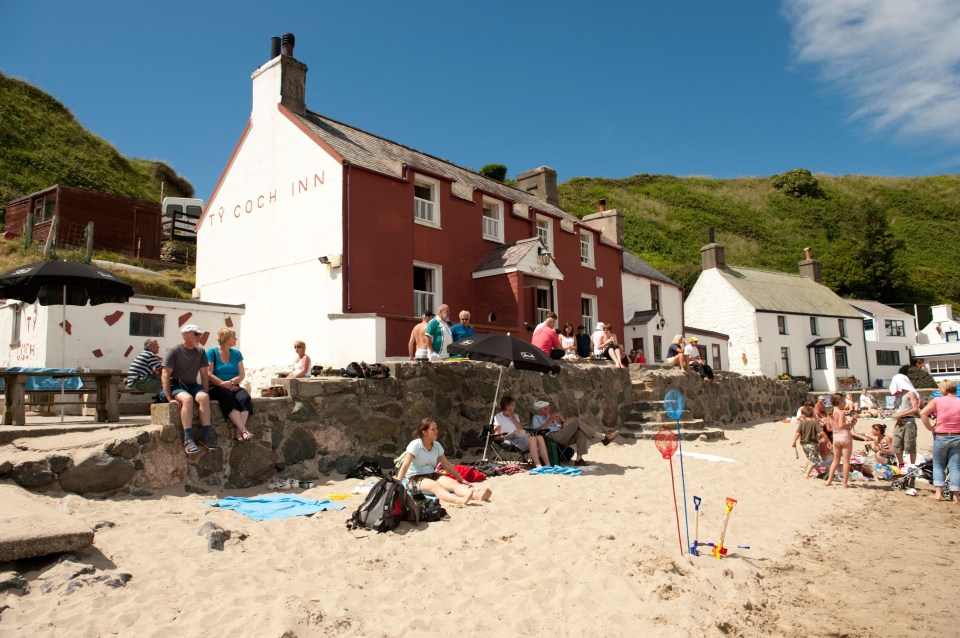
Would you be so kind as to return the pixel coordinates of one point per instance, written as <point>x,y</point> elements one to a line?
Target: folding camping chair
<point>501,450</point>
<point>889,407</point>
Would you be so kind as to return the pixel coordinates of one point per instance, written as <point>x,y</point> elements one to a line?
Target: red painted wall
<point>384,241</point>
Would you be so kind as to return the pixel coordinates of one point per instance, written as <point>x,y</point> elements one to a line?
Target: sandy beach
<point>592,555</point>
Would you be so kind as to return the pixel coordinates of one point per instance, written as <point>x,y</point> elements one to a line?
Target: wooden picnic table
<point>104,385</point>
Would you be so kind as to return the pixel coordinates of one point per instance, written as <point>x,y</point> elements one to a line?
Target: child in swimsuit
<point>841,425</point>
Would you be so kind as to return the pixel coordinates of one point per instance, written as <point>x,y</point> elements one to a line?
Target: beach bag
<point>273,391</point>
<point>386,505</point>
<point>366,466</point>
<point>558,455</point>
<point>376,371</point>
<point>430,510</point>
<point>353,371</point>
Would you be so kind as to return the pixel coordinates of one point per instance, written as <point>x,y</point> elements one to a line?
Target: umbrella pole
<point>63,348</point>
<point>496,395</point>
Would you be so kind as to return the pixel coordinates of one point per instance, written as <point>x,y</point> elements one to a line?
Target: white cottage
<point>779,323</point>
<point>889,335</point>
<point>939,344</point>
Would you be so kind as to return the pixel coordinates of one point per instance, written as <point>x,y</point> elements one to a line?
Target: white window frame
<point>541,311</point>
<point>427,211</point>
<point>894,355</point>
<point>425,299</point>
<point>842,326</point>
<point>545,232</point>
<point>588,320</point>
<point>838,350</point>
<point>814,326</point>
<point>492,227</point>
<point>782,325</point>
<point>894,328</point>
<point>655,301</point>
<point>586,249</point>
<point>15,324</point>
<point>785,360</point>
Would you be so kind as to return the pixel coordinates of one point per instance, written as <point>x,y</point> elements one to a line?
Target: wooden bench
<point>104,385</point>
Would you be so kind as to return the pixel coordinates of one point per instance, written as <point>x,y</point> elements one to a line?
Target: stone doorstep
<point>709,434</point>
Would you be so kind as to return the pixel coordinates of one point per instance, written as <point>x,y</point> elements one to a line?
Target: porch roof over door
<point>525,256</point>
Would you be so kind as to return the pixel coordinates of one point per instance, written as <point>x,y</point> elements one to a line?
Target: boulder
<point>251,464</point>
<point>30,528</point>
<point>98,472</point>
<point>298,446</point>
<point>32,474</point>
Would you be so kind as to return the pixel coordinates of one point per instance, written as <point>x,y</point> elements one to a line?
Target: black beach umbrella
<point>504,350</point>
<point>64,283</point>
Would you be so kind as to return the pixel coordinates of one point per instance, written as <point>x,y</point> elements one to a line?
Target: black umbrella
<point>63,282</point>
<point>506,351</point>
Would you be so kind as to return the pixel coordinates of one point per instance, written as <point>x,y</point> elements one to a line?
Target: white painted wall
<point>278,209</point>
<point>708,341</point>
<point>636,297</point>
<point>714,305</point>
<point>100,336</point>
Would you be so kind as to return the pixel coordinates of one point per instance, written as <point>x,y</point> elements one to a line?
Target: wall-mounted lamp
<point>660,324</point>
<point>331,261</point>
<point>324,259</point>
<point>544,255</point>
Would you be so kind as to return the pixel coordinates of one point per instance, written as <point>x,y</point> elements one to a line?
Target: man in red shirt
<point>546,339</point>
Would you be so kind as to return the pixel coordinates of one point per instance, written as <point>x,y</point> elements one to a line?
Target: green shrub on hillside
<point>797,183</point>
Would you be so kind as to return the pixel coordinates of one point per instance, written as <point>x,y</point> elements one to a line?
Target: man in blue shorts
<point>181,365</point>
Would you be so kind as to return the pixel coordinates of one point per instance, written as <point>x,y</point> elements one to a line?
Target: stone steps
<point>655,426</point>
<point>9,434</point>
<point>702,434</point>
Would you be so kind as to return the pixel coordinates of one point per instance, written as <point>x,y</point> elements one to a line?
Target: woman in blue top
<point>421,458</point>
<point>226,372</point>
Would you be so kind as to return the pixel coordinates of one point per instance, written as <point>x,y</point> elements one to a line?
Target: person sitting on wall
<point>608,347</point>
<point>568,341</point>
<point>182,365</point>
<point>144,372</point>
<point>583,343</point>
<point>439,333</point>
<point>697,364</point>
<point>640,358</point>
<point>226,372</point>
<point>675,356</point>
<point>565,432</point>
<point>301,364</point>
<point>463,329</point>
<point>419,345</point>
<point>546,339</point>
<point>868,406</point>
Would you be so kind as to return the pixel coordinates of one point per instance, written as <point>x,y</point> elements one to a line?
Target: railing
<point>423,209</point>
<point>179,226</point>
<point>422,302</point>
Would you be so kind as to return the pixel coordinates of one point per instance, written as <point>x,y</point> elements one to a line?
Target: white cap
<point>539,405</point>
<point>599,326</point>
<point>191,327</point>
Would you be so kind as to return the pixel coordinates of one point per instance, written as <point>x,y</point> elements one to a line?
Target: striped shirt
<point>143,367</point>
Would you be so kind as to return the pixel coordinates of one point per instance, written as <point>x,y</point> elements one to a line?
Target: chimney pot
<point>603,204</point>
<point>711,256</point>
<point>810,267</point>
<point>288,42</point>
<point>710,238</point>
<point>806,253</point>
<point>274,47</point>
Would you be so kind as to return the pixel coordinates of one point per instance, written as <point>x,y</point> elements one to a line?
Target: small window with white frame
<point>544,303</point>
<point>426,201</point>
<point>814,328</point>
<point>545,232</point>
<point>586,248</point>
<point>15,325</point>
<point>588,312</point>
<point>894,328</point>
<point>427,280</point>
<point>782,324</point>
<point>492,220</point>
<point>842,325</point>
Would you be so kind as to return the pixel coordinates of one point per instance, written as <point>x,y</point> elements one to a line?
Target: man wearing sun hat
<point>697,364</point>
<point>181,366</point>
<point>565,432</point>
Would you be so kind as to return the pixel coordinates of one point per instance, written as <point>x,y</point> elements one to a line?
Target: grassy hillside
<point>42,144</point>
<point>889,239</point>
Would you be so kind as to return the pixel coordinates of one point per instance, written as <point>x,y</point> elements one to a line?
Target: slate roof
<point>376,153</point>
<point>771,291</point>
<point>641,317</point>
<point>507,255</point>
<point>637,266</point>
<point>877,309</point>
<point>827,341</point>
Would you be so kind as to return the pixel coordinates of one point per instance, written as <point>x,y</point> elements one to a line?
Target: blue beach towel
<point>556,469</point>
<point>270,506</point>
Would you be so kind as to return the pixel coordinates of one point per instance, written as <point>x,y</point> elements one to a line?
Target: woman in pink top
<point>946,438</point>
<point>840,423</point>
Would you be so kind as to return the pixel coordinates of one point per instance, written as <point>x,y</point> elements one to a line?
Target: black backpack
<point>353,371</point>
<point>430,510</point>
<point>366,466</point>
<point>376,371</point>
<point>386,505</point>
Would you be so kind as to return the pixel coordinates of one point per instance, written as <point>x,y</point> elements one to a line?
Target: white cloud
<point>897,60</point>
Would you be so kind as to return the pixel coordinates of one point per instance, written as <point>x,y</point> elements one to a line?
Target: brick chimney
<point>810,267</point>
<point>711,255</point>
<point>541,183</point>
<point>608,222</point>
<point>282,80</point>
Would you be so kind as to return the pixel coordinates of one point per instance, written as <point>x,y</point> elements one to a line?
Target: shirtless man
<point>419,346</point>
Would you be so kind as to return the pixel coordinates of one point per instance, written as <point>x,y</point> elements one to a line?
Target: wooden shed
<point>121,224</point>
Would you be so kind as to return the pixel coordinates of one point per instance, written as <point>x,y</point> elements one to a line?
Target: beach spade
<point>673,404</point>
<point>666,442</point>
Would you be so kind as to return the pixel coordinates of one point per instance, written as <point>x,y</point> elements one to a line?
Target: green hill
<point>882,238</point>
<point>42,144</point>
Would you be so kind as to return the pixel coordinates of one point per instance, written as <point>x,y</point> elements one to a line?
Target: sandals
<point>207,442</point>
<point>190,446</point>
<point>246,435</point>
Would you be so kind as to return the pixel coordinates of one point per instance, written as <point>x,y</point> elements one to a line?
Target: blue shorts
<point>176,387</point>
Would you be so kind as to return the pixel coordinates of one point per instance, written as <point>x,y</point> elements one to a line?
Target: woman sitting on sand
<point>421,458</point>
<point>841,425</point>
<point>506,422</point>
<point>882,450</point>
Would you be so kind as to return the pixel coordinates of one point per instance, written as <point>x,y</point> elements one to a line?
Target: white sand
<point>595,555</point>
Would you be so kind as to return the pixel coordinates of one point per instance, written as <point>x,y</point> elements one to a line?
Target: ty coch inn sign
<point>262,201</point>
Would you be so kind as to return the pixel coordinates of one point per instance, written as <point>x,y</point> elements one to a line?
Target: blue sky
<point>696,87</point>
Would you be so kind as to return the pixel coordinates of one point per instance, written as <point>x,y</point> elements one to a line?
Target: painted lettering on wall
<point>259,202</point>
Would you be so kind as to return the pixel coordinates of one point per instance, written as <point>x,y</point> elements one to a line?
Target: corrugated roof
<point>877,309</point>
<point>785,292</point>
<point>637,266</point>
<point>376,153</point>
